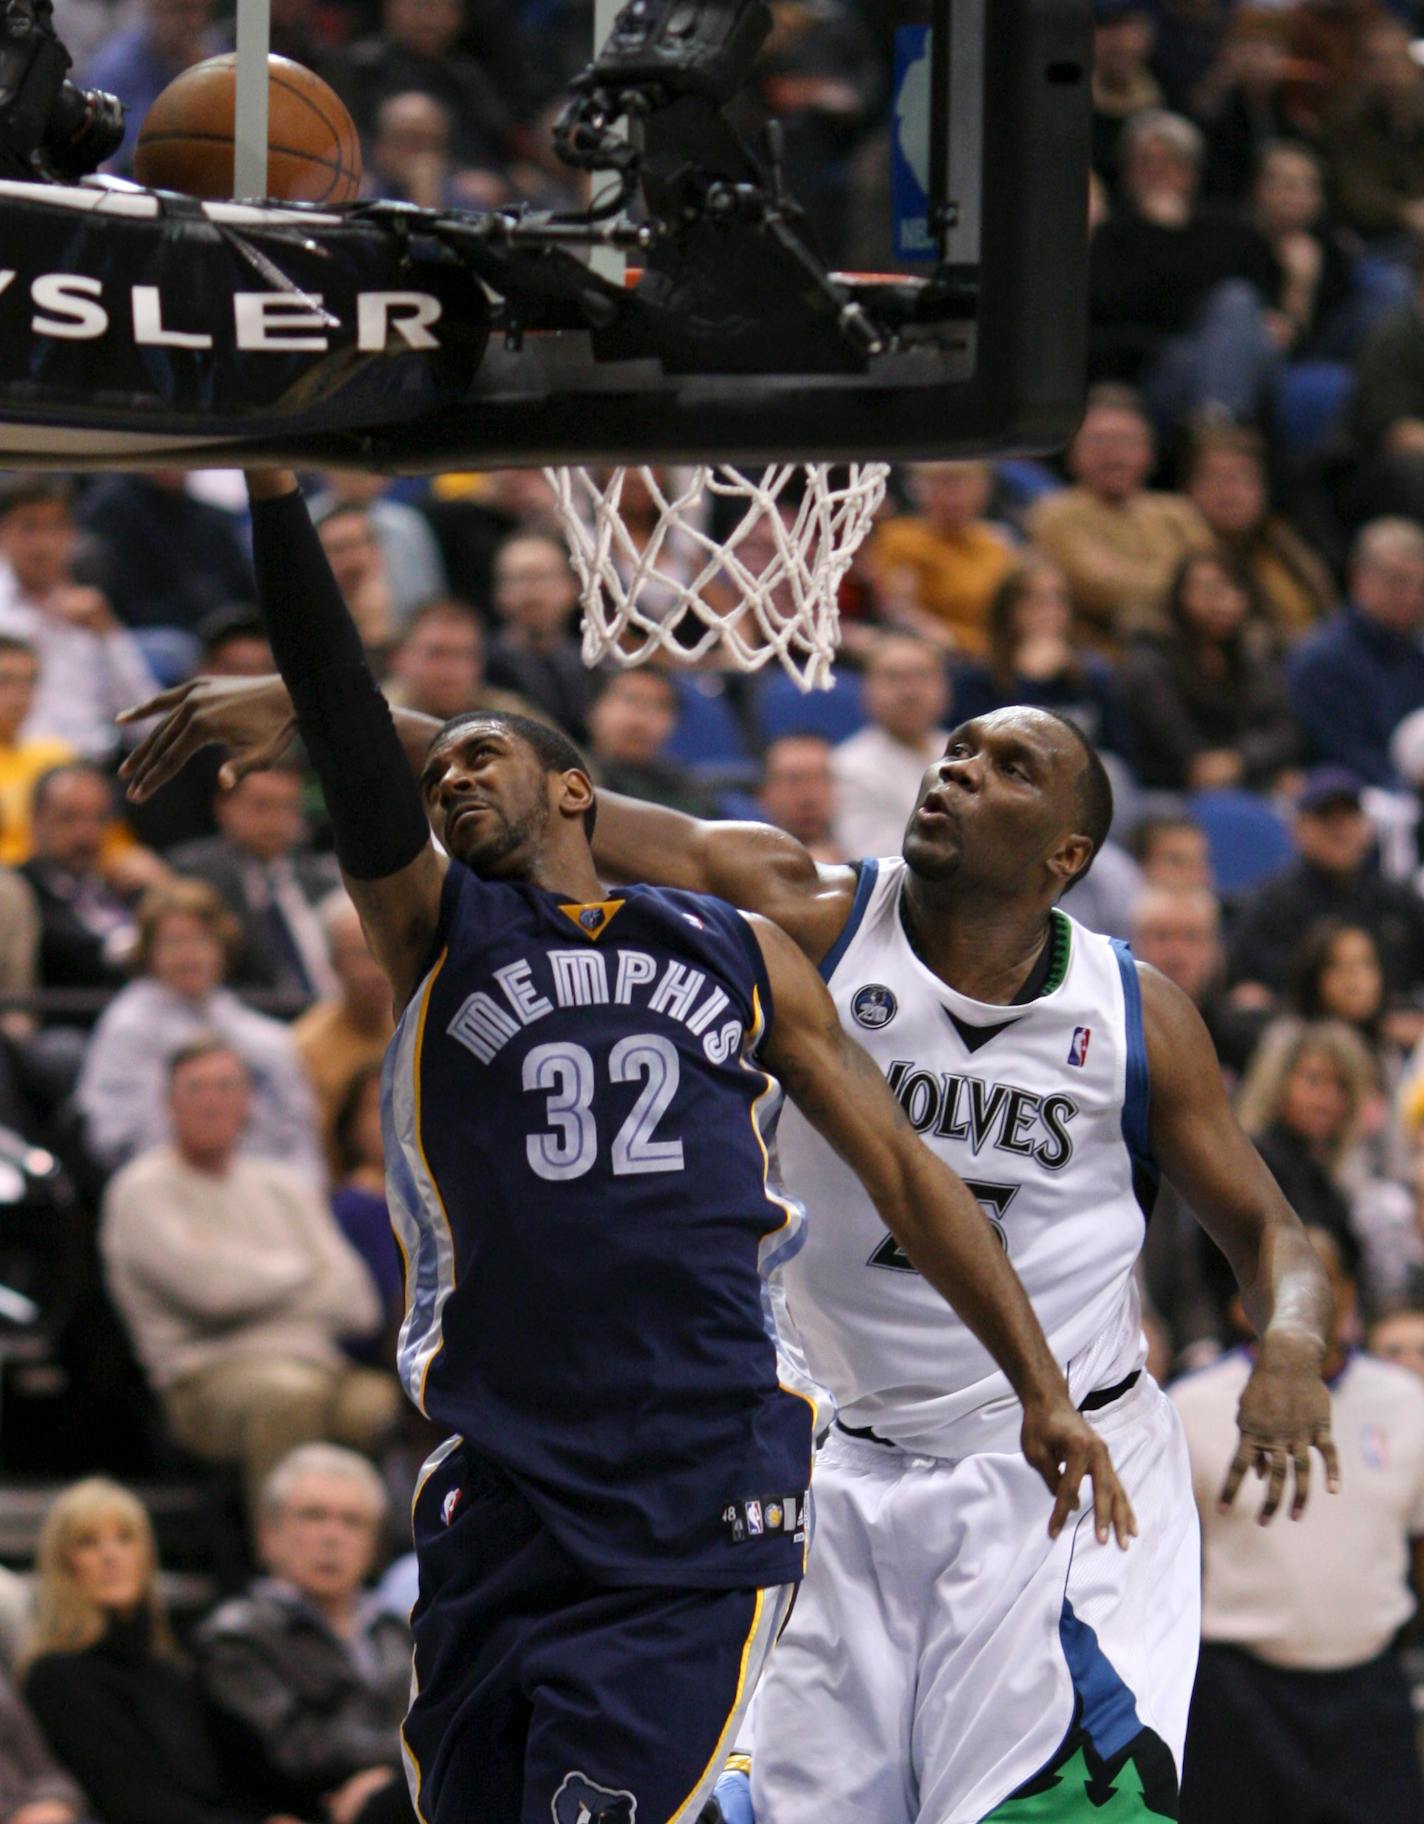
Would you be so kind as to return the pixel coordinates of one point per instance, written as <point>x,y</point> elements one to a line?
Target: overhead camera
<point>49,126</point>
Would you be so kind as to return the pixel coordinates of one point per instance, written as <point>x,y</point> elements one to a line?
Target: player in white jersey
<point>953,1658</point>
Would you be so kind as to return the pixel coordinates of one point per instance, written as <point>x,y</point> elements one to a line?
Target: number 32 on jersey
<point>565,1074</point>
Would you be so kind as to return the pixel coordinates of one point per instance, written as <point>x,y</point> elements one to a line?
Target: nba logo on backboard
<point>1078,1050</point>
<point>910,145</point>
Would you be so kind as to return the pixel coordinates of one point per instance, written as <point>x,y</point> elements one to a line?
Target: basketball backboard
<point>405,340</point>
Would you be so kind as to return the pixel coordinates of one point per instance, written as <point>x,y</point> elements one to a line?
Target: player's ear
<point>1070,858</point>
<point>574,792</point>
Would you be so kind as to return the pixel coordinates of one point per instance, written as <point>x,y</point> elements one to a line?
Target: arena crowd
<point>1221,582</point>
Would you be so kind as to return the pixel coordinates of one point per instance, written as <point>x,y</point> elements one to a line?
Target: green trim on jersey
<point>1076,1794</point>
<point>1061,937</point>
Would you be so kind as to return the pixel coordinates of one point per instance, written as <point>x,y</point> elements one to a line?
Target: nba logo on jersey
<point>754,1521</point>
<point>1374,1446</point>
<point>448,1506</point>
<point>579,1801</point>
<point>1078,1050</point>
<point>874,1006</point>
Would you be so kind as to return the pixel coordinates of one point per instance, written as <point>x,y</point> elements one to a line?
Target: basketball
<point>186,142</point>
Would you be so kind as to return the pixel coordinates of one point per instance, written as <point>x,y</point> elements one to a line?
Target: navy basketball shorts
<point>542,1697</point>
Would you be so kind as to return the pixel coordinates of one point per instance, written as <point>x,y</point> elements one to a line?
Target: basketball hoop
<point>767,590</point>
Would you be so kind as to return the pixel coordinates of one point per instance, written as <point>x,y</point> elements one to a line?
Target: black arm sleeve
<point>377,817</point>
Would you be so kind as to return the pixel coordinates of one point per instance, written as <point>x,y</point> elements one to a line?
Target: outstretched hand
<point>251,717</point>
<point>1283,1416</point>
<point>1063,1447</point>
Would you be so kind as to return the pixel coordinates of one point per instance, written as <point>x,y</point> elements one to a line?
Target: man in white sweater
<point>237,1285</point>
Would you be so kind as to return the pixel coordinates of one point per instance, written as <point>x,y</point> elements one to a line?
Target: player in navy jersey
<point>579,1103</point>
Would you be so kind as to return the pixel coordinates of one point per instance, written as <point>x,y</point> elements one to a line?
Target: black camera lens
<point>85,127</point>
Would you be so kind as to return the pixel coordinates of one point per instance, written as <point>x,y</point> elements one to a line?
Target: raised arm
<point>391,866</point>
<point>1197,1140</point>
<point>932,1215</point>
<point>752,865</point>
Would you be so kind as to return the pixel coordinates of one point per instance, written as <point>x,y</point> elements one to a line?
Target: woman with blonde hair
<point>186,940</point>
<point>1304,1101</point>
<point>120,1708</point>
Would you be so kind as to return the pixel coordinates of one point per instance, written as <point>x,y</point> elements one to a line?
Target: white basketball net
<point>768,591</point>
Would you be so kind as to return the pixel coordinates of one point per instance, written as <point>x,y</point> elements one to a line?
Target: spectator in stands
<point>236,1285</point>
<point>1374,149</point>
<point>234,645</point>
<point>359,1202</point>
<point>535,650</point>
<point>413,565</point>
<point>798,792</point>
<point>410,160</point>
<point>307,1675</point>
<point>629,724</point>
<point>23,757</point>
<point>1382,471</point>
<point>89,666</point>
<point>170,560</point>
<point>472,514</point>
<point>19,951</point>
<point>87,928</point>
<point>120,1708</point>
<point>1123,83</point>
<point>1397,1336</point>
<point>1357,677</point>
<point>1316,298</point>
<point>1325,40</point>
<point>1303,1101</point>
<point>1117,543</point>
<point>34,1789</point>
<point>1032,658</point>
<point>1208,698</point>
<point>1226,482</point>
<point>358,562</point>
<point>1300,1710</point>
<point>1180,297</point>
<point>937,568</point>
<point>1337,975</point>
<point>905,691</point>
<point>438,667</point>
<point>185,937</point>
<point>347,1032</point>
<point>264,870</point>
<point>1333,878</point>
<point>1177,929</point>
<point>1171,850</point>
<point>141,58</point>
<point>418,49</point>
<point>1247,109</point>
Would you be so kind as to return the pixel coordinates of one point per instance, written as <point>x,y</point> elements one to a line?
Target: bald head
<point>1016,808</point>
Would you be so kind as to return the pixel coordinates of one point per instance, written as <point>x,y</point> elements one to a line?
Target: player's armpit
<point>751,865</point>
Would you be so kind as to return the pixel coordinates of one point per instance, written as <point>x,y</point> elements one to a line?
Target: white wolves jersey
<point>1042,1110</point>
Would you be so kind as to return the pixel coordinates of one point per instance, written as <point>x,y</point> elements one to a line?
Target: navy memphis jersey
<point>577,1169</point>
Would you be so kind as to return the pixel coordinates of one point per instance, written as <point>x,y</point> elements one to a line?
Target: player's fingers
<point>1275,1484</point>
<point>1325,1444</point>
<point>1236,1474</point>
<point>1300,1457</point>
<point>168,751</point>
<point>1070,1480</point>
<point>155,706</point>
<point>141,757</point>
<point>1106,1492</point>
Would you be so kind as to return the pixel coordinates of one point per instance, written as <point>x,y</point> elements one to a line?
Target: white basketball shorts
<point>948,1663</point>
